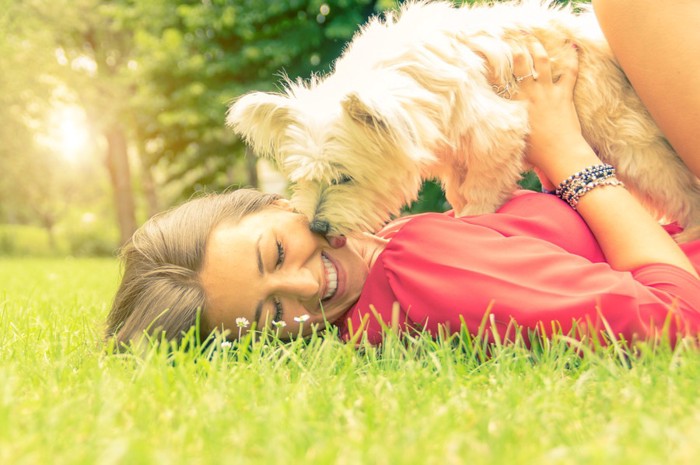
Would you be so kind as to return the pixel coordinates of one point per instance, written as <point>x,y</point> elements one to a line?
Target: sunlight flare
<point>69,134</point>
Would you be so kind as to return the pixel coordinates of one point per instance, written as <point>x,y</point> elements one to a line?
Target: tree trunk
<point>118,166</point>
<point>49,223</point>
<point>149,189</point>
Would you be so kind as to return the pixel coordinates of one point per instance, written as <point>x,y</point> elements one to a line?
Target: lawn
<point>64,400</point>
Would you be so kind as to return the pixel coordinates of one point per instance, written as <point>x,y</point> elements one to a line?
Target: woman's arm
<point>658,46</point>
<point>628,235</point>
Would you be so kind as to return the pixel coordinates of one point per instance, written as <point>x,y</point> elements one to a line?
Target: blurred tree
<point>157,76</point>
<point>81,51</point>
<point>33,188</point>
<point>97,48</point>
<point>194,57</point>
<point>17,107</point>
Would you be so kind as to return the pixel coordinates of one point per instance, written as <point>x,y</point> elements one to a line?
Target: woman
<point>248,258</point>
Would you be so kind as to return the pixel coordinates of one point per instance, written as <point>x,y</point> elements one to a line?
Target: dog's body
<point>412,97</point>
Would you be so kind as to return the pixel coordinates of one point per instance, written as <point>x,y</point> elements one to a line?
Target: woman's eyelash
<point>280,254</point>
<point>279,313</point>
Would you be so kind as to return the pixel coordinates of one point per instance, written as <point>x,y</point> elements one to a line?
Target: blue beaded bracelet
<point>578,184</point>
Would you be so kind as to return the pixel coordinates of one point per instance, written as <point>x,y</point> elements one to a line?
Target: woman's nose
<point>300,284</point>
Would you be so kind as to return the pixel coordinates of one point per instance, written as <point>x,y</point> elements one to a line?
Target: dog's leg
<point>478,192</point>
<point>488,178</point>
<point>482,170</point>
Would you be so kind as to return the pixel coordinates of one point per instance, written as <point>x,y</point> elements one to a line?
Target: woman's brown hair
<point>160,294</point>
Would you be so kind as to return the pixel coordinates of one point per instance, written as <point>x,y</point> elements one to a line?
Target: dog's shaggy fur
<point>412,97</point>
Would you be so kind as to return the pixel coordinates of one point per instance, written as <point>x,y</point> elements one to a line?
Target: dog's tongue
<point>336,241</point>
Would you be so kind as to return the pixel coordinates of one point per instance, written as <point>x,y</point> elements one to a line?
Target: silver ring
<point>504,91</point>
<point>520,79</point>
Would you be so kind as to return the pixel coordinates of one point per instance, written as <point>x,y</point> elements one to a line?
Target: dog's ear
<point>389,123</point>
<point>261,119</point>
<point>363,113</point>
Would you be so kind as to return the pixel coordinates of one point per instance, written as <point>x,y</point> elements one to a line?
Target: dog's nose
<point>320,226</point>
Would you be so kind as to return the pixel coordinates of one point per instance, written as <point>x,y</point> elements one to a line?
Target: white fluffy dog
<point>410,99</point>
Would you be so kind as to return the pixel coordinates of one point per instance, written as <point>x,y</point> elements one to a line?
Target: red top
<point>534,263</point>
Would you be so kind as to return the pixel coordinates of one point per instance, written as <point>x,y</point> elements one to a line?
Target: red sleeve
<point>443,271</point>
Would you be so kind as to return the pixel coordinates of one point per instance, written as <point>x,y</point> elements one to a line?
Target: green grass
<point>63,400</point>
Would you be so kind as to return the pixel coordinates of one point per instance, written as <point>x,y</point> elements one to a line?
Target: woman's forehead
<point>229,273</point>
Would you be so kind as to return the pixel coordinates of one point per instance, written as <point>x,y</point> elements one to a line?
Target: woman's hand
<point>555,131</point>
<point>628,235</point>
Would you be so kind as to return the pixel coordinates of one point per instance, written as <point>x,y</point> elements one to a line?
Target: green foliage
<point>195,57</point>
<point>25,240</point>
<point>39,185</point>
<point>94,239</point>
<point>66,400</point>
<point>77,239</point>
<point>432,198</point>
<point>530,182</point>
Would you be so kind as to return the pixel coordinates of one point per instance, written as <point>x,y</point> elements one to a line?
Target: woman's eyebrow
<point>259,255</point>
<point>261,270</point>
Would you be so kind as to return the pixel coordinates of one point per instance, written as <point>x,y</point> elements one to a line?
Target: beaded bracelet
<point>585,175</point>
<point>573,202</point>
<point>578,184</point>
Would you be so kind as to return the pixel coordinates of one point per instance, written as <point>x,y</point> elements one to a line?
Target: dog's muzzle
<point>322,227</point>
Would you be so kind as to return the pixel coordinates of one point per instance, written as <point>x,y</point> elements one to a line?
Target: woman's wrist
<point>629,235</point>
<point>566,159</point>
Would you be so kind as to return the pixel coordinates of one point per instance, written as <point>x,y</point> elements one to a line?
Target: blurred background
<point>111,111</point>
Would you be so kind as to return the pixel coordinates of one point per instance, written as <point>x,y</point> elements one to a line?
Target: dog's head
<point>353,162</point>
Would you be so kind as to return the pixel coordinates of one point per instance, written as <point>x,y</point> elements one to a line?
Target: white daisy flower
<point>242,322</point>
<point>279,324</point>
<point>301,319</point>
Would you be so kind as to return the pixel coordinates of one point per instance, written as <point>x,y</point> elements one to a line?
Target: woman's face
<point>269,267</point>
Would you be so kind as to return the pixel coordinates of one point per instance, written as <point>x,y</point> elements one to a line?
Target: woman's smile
<point>331,278</point>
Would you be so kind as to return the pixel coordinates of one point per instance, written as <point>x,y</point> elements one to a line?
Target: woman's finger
<point>540,60</point>
<point>522,63</point>
<point>568,66</point>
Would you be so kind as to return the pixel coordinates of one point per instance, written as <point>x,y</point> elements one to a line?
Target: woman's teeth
<point>331,278</point>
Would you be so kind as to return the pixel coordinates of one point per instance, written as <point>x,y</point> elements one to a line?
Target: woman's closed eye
<point>280,254</point>
<point>279,311</point>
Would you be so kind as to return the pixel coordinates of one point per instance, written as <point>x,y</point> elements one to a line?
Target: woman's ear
<point>284,204</point>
